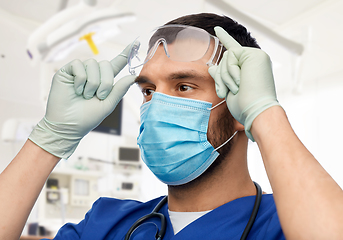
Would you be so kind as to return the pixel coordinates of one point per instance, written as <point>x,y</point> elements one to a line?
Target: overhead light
<point>64,35</point>
<point>94,30</point>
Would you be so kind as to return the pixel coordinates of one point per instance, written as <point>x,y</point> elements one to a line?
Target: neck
<point>227,182</point>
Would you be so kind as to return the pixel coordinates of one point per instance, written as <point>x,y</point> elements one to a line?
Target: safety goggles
<point>180,43</point>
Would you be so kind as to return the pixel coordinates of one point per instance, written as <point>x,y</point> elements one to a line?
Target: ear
<point>238,126</point>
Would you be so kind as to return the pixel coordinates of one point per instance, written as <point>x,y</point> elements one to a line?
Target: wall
<point>315,115</point>
<point>19,81</point>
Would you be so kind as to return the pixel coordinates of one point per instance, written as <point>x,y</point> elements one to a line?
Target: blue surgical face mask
<point>173,138</point>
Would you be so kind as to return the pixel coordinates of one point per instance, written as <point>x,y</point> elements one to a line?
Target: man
<point>209,197</point>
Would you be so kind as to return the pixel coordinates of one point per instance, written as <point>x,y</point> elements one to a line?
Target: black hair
<point>208,21</point>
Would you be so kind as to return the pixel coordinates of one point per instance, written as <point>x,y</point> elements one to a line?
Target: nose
<point>157,69</point>
<point>162,87</point>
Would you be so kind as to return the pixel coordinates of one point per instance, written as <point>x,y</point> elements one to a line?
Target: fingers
<point>120,61</point>
<point>106,79</point>
<point>226,75</point>
<point>93,78</point>
<point>86,76</point>
<point>230,71</point>
<point>119,89</point>
<point>77,70</point>
<point>101,81</point>
<point>221,88</point>
<point>226,39</point>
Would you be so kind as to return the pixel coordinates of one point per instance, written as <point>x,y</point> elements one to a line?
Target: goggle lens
<point>181,43</point>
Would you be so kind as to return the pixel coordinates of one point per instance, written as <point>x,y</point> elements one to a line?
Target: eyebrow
<point>191,74</point>
<point>142,79</point>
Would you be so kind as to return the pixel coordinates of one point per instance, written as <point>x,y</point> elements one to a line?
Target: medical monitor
<point>112,123</point>
<point>127,155</point>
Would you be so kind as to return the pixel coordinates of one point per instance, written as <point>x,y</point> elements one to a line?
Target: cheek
<point>218,112</point>
<point>220,126</point>
<point>213,124</point>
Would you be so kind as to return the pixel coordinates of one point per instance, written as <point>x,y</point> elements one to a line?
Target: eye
<point>184,88</point>
<point>147,91</point>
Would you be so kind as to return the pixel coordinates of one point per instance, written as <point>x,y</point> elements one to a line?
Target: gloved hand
<point>244,77</point>
<point>81,96</point>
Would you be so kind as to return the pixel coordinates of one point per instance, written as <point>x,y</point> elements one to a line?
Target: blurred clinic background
<point>38,37</point>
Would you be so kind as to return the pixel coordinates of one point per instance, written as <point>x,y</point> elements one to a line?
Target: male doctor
<point>190,139</point>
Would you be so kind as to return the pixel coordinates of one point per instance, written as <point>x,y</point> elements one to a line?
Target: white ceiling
<point>313,23</point>
<point>278,12</point>
<point>272,12</point>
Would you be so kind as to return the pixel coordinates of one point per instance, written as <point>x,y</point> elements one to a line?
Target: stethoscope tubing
<point>160,234</point>
<point>254,211</point>
<point>154,213</point>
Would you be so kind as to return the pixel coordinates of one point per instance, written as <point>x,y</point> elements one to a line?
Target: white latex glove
<point>81,96</point>
<point>244,77</point>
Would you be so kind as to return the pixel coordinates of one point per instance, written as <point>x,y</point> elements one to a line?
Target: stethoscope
<point>160,234</point>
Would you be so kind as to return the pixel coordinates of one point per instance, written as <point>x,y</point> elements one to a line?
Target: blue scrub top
<point>111,218</point>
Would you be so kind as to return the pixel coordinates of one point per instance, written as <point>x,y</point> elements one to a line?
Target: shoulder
<point>266,225</point>
<point>267,221</point>
<point>108,206</point>
<point>267,204</point>
<point>107,216</point>
<point>124,203</point>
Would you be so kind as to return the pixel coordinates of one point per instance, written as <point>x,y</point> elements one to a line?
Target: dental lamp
<point>73,26</point>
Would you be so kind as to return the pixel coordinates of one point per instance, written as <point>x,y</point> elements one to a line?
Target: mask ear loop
<point>211,108</point>
<point>232,134</point>
<point>226,141</point>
